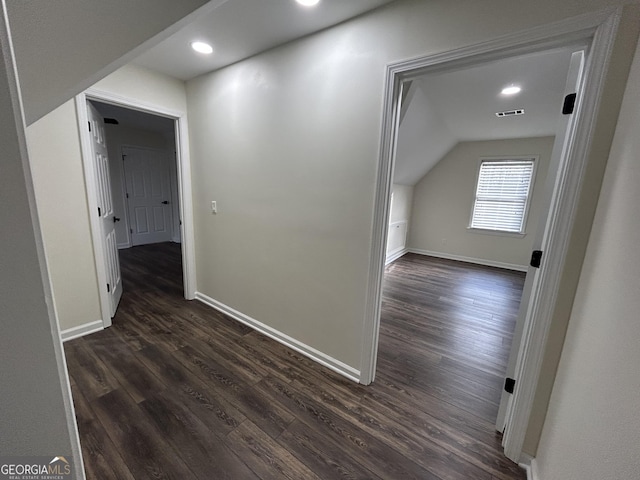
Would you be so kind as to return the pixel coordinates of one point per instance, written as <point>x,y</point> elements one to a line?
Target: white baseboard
<point>315,355</point>
<point>395,255</point>
<point>477,261</point>
<point>526,463</point>
<point>81,330</point>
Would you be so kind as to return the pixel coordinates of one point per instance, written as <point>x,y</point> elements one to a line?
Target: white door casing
<point>185,204</point>
<point>597,29</point>
<point>148,188</point>
<point>105,208</point>
<point>564,132</point>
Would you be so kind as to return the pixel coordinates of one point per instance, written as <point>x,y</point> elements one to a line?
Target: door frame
<point>597,30</point>
<point>184,186</point>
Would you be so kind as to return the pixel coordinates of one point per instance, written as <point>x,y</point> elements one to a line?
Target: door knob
<point>165,202</point>
<point>115,219</point>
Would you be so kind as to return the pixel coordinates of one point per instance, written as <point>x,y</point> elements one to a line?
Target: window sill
<point>498,233</point>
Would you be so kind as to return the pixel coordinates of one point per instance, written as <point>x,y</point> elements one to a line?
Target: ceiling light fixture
<point>202,47</point>
<point>511,90</point>
<point>308,3</point>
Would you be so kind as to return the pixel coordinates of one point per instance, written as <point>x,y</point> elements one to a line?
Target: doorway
<point>597,32</point>
<point>155,143</point>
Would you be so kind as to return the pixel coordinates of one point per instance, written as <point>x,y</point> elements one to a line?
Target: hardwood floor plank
<point>101,457</point>
<point>420,448</point>
<point>124,365</point>
<point>379,457</point>
<point>91,376</point>
<point>269,416</point>
<point>175,389</point>
<point>207,455</point>
<point>268,459</point>
<point>328,459</point>
<point>146,454</point>
<point>220,416</point>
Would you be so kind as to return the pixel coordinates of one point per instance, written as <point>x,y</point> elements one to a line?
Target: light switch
<point>214,207</point>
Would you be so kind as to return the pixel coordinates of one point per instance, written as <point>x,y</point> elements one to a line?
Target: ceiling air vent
<point>510,113</point>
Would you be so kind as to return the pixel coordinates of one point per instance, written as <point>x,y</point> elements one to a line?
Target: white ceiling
<point>239,29</point>
<point>455,106</point>
<point>468,99</point>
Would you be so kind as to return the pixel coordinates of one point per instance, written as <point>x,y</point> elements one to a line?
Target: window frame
<point>525,216</point>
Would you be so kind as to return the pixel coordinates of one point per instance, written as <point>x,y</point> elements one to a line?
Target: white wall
<point>592,429</point>
<point>287,143</point>
<point>62,47</point>
<point>60,190</point>
<point>444,197</point>
<point>423,138</point>
<point>399,220</point>
<point>402,203</point>
<point>54,148</point>
<point>37,414</point>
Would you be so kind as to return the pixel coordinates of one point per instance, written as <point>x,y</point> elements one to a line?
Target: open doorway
<point>138,184</point>
<point>570,153</point>
<point>144,190</point>
<point>468,194</point>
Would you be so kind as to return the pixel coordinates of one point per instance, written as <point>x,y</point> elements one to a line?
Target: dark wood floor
<point>176,390</point>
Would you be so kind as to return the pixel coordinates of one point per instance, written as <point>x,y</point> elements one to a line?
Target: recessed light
<point>202,47</point>
<point>308,3</point>
<point>511,90</point>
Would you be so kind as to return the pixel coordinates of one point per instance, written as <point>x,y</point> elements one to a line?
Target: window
<point>502,194</point>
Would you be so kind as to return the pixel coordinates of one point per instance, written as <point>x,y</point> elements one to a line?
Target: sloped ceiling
<point>64,46</point>
<point>460,105</point>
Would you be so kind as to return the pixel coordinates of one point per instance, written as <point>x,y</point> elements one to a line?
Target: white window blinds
<point>502,195</point>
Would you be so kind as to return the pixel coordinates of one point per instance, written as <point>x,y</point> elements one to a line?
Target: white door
<point>105,207</point>
<point>560,150</point>
<point>147,178</point>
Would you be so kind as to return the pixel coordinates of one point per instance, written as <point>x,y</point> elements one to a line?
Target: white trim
<point>310,352</point>
<point>393,256</point>
<point>555,243</point>
<point>184,186</point>
<point>92,203</point>
<point>402,249</point>
<point>81,330</point>
<point>476,261</point>
<point>525,464</point>
<point>17,107</point>
<point>603,25</point>
<point>496,233</point>
<point>533,470</point>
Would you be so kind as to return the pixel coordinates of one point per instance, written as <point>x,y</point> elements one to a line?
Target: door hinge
<point>127,195</point>
<point>123,155</point>
<point>89,125</point>
<point>131,231</point>
<point>509,385</point>
<point>536,258</point>
<point>99,212</point>
<point>569,104</point>
<point>108,288</point>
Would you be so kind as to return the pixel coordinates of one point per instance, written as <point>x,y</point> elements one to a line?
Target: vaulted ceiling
<point>460,105</point>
